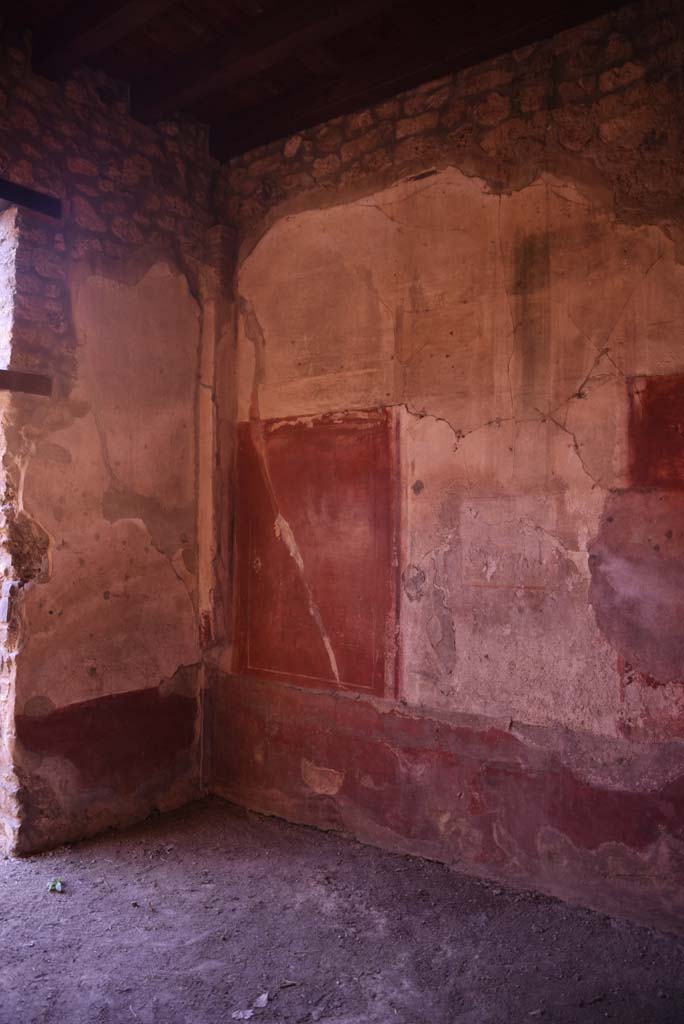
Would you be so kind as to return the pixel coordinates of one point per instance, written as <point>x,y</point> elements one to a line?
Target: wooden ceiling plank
<point>265,42</point>
<point>251,7</point>
<point>320,61</point>
<point>365,82</point>
<point>370,81</point>
<point>89,30</point>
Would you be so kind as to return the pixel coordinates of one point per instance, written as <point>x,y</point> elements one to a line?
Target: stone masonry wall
<point>601,102</point>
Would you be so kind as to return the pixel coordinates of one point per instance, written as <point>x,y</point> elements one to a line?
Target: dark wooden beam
<point>320,61</point>
<point>317,59</point>
<point>426,51</point>
<point>90,28</point>
<point>264,42</point>
<point>20,195</point>
<point>251,7</point>
<point>400,66</point>
<point>26,383</point>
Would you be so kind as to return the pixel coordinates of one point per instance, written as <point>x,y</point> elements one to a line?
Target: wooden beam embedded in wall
<point>25,383</point>
<point>39,202</point>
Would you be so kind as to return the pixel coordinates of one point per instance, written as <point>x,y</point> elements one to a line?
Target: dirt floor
<point>202,915</point>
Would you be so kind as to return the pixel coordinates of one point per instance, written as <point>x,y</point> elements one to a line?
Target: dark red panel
<point>105,762</point>
<point>118,741</point>
<point>480,798</point>
<point>656,431</point>
<point>315,536</point>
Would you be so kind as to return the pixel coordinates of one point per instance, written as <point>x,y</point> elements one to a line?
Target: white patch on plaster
<point>325,781</point>
<point>23,463</point>
<point>283,531</point>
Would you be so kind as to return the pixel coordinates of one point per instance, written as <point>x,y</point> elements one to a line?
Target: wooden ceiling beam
<point>425,52</point>
<point>264,42</point>
<point>251,7</point>
<point>89,29</point>
<point>320,61</point>
<point>363,83</point>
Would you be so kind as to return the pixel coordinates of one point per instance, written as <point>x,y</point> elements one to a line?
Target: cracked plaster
<point>111,479</point>
<point>503,328</point>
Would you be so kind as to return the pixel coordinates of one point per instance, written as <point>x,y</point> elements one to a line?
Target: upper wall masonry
<point>128,191</point>
<point>603,100</point>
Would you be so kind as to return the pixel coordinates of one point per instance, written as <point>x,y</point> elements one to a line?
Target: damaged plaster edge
<point>216,396</point>
<point>131,273</point>
<point>10,808</point>
<point>147,264</point>
<point>560,168</point>
<point>459,435</point>
<point>179,683</point>
<point>542,415</point>
<point>608,761</point>
<point>9,244</point>
<point>11,509</point>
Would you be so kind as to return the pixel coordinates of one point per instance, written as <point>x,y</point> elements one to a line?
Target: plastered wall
<point>506,331</point>
<point>117,303</point>
<point>387,538</point>
<point>492,263</point>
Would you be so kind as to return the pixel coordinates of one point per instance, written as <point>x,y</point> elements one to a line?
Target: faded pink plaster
<point>112,483</point>
<point>105,644</point>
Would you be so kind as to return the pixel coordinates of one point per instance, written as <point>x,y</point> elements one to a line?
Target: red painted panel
<point>656,431</point>
<point>104,762</point>
<point>315,539</point>
<point>119,741</point>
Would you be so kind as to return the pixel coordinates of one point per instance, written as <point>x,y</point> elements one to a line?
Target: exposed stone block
<point>492,109</point>
<point>417,125</point>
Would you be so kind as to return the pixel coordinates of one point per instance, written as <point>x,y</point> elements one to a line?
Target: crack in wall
<point>461,435</point>
<point>535,284</point>
<point>404,360</point>
<point>283,530</point>
<point>575,445</point>
<point>404,226</point>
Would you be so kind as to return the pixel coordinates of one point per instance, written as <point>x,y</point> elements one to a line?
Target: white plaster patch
<point>8,252</point>
<point>324,781</point>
